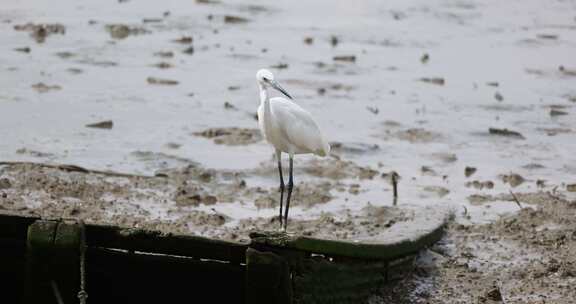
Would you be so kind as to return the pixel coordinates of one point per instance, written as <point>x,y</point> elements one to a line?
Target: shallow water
<point>518,44</point>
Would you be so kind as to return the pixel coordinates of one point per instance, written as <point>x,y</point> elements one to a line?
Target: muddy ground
<point>525,257</point>
<point>528,256</point>
<point>181,200</point>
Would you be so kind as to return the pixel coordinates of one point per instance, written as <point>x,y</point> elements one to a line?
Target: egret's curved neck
<point>267,113</point>
<point>263,94</point>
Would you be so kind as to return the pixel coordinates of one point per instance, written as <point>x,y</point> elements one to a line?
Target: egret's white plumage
<point>291,129</point>
<point>287,127</point>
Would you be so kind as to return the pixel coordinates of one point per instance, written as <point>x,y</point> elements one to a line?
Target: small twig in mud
<point>465,211</point>
<point>74,168</point>
<point>373,110</point>
<point>516,199</point>
<point>395,183</point>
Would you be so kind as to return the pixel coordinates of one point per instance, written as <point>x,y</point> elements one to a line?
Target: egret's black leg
<point>290,186</point>
<point>281,185</point>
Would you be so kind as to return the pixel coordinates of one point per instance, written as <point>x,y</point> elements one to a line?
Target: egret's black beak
<point>275,85</point>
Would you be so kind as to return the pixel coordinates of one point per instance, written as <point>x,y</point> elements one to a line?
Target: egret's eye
<point>266,79</point>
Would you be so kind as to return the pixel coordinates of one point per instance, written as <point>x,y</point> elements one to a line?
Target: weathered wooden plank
<point>65,263</point>
<point>15,227</point>
<point>12,269</point>
<point>116,276</point>
<point>158,242</point>
<point>39,251</point>
<point>267,278</point>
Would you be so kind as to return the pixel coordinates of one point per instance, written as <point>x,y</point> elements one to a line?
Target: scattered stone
<point>65,55</point>
<point>498,96</point>
<point>163,65</point>
<point>493,84</point>
<point>183,199</point>
<point>308,40</point>
<point>23,49</point>
<point>39,32</point>
<point>547,36</point>
<point>173,145</point>
<point>44,88</point>
<point>567,72</point>
<point>445,157</point>
<point>433,80</point>
<point>425,58</point>
<point>75,71</point>
<point>235,19</point>
<point>533,166</point>
<point>352,148</point>
<point>5,184</point>
<point>480,185</point>
<point>107,124</point>
<point>505,132</point>
<point>161,81</point>
<point>428,171</point>
<point>101,63</point>
<point>347,58</point>
<point>468,171</point>
<point>280,66</point>
<point>479,198</point>
<point>373,110</point>
<point>513,179</point>
<point>184,40</point>
<point>189,50</point>
<point>164,54</point>
<point>33,153</point>
<point>334,41</point>
<point>555,131</point>
<point>571,187</point>
<point>231,136</point>
<point>121,31</point>
<point>494,294</point>
<point>554,112</point>
<point>418,135</point>
<point>152,20</point>
<point>229,106</point>
<point>439,191</point>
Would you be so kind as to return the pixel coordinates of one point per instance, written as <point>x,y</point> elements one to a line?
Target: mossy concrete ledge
<point>389,245</point>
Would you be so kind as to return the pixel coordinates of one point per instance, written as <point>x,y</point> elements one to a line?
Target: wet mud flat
<point>525,257</point>
<point>192,199</point>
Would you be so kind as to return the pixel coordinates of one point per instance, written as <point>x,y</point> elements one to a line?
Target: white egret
<point>289,128</point>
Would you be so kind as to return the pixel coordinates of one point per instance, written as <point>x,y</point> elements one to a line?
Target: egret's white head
<point>265,79</point>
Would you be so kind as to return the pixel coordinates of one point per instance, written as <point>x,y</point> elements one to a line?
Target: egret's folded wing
<point>298,126</point>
